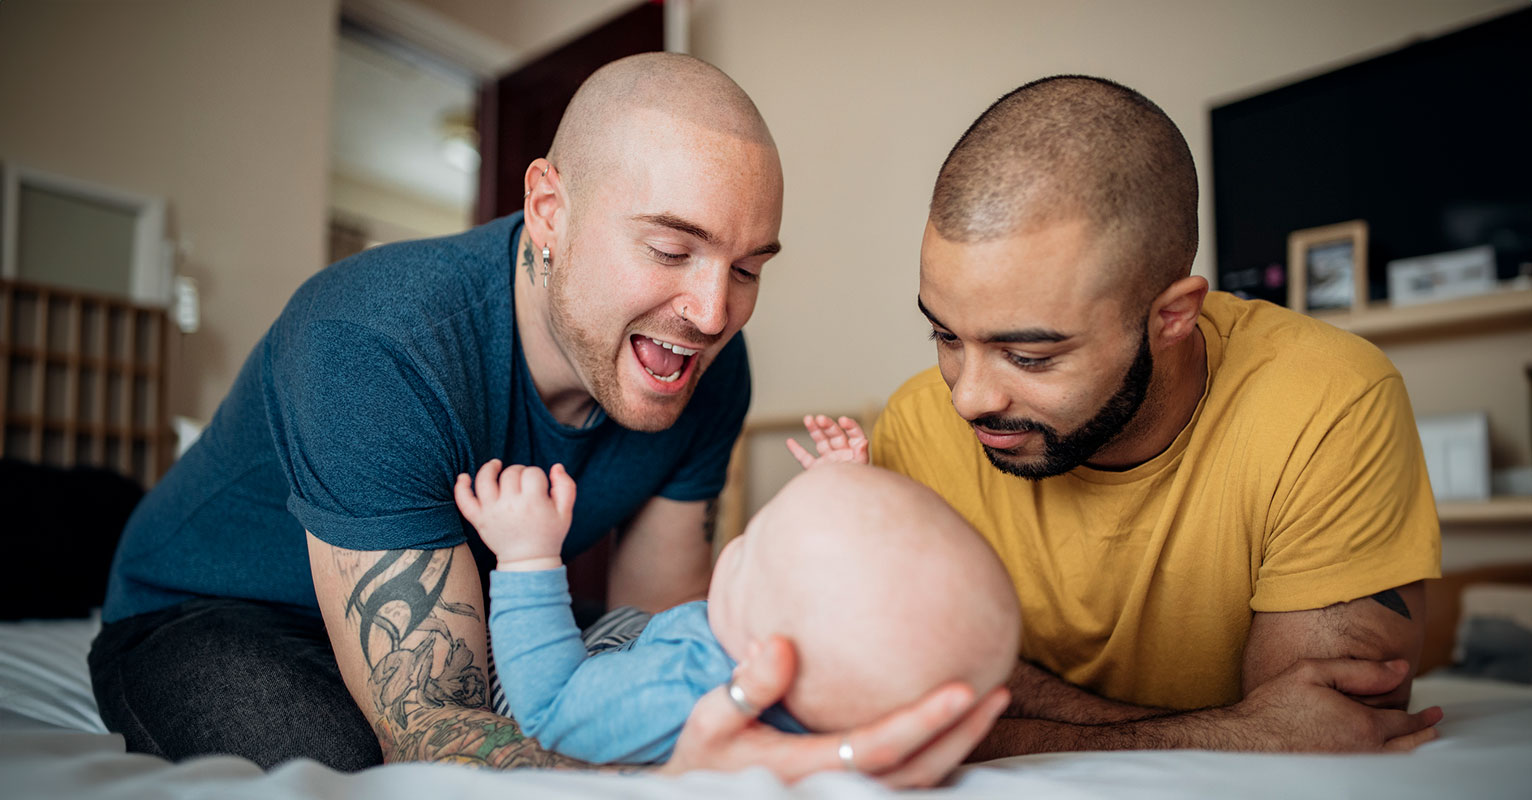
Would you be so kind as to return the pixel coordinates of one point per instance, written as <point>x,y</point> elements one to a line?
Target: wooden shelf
<point>1494,511</point>
<point>84,428</point>
<point>114,364</point>
<point>1382,321</point>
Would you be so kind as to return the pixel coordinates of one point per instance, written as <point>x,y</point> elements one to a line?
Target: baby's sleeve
<point>625,706</point>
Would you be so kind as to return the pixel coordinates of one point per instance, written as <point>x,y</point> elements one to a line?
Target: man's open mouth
<point>665,361</point>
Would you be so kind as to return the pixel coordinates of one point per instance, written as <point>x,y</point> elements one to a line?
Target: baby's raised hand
<point>521,513</point>
<point>838,441</point>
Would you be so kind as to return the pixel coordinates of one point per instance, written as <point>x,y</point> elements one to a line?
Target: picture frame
<point>37,199</point>
<point>1327,267</point>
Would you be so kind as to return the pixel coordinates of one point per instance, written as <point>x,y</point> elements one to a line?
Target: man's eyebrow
<point>1021,336</point>
<point>927,312</point>
<point>690,228</point>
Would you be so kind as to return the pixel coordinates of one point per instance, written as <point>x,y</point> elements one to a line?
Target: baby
<point>884,590</point>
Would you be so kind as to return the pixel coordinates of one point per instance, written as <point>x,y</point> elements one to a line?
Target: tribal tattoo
<point>429,698</point>
<point>394,604</point>
<point>1391,600</point>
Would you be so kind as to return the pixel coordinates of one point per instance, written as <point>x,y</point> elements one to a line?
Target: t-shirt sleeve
<point>721,414</point>
<point>624,706</point>
<point>890,436</point>
<point>1358,517</point>
<point>364,439</point>
<point>909,439</point>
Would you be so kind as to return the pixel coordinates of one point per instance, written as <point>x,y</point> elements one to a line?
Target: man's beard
<point>594,362</point>
<point>1063,453</point>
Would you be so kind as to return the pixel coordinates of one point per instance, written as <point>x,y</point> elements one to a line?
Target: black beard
<point>1063,453</point>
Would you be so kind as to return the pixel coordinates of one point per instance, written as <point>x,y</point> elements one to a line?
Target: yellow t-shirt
<point>1298,483</point>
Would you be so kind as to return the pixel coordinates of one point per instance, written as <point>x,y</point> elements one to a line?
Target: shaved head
<point>590,135</point>
<point>1076,147</point>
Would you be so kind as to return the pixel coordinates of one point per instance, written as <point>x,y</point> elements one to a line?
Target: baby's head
<point>884,589</point>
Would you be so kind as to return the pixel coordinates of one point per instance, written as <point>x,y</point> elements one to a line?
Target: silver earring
<point>547,261</point>
<point>529,191</point>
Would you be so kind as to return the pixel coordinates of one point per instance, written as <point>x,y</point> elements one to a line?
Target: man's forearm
<point>1037,694</point>
<point>1310,707</point>
<point>474,736</point>
<point>402,630</point>
<point>1203,730</point>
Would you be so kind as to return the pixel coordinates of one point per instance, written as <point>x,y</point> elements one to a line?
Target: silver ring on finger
<point>740,701</point>
<point>847,754</point>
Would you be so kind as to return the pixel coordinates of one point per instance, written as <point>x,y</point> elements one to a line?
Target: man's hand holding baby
<point>521,513</point>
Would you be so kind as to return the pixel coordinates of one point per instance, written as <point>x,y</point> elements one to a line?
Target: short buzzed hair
<point>674,83</point>
<point>1074,146</point>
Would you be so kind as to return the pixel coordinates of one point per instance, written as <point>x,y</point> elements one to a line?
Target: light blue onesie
<point>622,706</point>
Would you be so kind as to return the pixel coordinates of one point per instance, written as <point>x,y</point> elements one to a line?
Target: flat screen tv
<point>1431,145</point>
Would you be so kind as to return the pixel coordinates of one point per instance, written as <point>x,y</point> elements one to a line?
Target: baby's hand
<point>517,515</point>
<point>836,443</point>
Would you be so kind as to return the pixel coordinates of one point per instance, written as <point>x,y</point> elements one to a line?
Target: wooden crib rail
<point>82,380</point>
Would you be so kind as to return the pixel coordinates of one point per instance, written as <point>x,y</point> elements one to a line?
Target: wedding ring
<point>737,697</point>
<point>847,755</point>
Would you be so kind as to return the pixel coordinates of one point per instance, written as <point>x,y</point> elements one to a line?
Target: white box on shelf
<point>1457,454</point>
<point>1441,276</point>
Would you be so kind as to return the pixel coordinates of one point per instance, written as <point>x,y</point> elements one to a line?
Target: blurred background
<point>276,136</point>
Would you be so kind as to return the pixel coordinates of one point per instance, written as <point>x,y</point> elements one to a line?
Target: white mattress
<point>52,744</point>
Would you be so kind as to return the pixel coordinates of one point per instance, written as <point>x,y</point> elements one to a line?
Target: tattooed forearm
<point>475,737</point>
<point>396,596</point>
<point>395,606</point>
<point>428,697</point>
<point>1391,600</point>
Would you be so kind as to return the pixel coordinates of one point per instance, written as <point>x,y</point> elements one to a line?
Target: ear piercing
<point>529,191</point>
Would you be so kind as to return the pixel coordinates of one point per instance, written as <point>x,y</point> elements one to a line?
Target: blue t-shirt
<point>386,376</point>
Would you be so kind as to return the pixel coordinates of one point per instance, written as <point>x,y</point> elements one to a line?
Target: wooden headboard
<point>1444,603</point>
<point>744,490</point>
<point>82,381</point>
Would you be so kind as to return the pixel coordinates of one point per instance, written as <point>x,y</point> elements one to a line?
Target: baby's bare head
<point>885,590</point>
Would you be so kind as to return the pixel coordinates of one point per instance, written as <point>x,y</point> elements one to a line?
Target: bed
<point>53,745</point>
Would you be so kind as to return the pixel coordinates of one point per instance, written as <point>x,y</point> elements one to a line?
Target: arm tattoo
<point>710,520</point>
<point>529,260</point>
<point>1391,600</point>
<point>429,698</point>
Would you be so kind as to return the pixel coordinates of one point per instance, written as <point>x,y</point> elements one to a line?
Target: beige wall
<point>865,99</point>
<point>221,108</point>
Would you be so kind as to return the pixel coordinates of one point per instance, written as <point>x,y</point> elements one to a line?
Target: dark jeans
<point>222,676</point>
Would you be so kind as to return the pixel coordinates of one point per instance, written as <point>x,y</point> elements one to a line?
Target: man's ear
<point>1173,314</point>
<point>545,206</point>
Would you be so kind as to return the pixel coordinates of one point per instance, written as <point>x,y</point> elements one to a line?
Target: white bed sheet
<point>52,744</point>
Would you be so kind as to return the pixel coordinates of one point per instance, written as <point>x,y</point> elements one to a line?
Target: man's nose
<point>977,392</point>
<point>704,299</point>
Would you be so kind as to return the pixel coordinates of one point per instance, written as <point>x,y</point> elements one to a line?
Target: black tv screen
<point>1431,145</point>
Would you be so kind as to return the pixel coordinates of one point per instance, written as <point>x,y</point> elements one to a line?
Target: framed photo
<point>1327,267</point>
<point>62,231</point>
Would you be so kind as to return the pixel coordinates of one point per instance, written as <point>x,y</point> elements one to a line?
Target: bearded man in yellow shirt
<point>1215,511</point>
